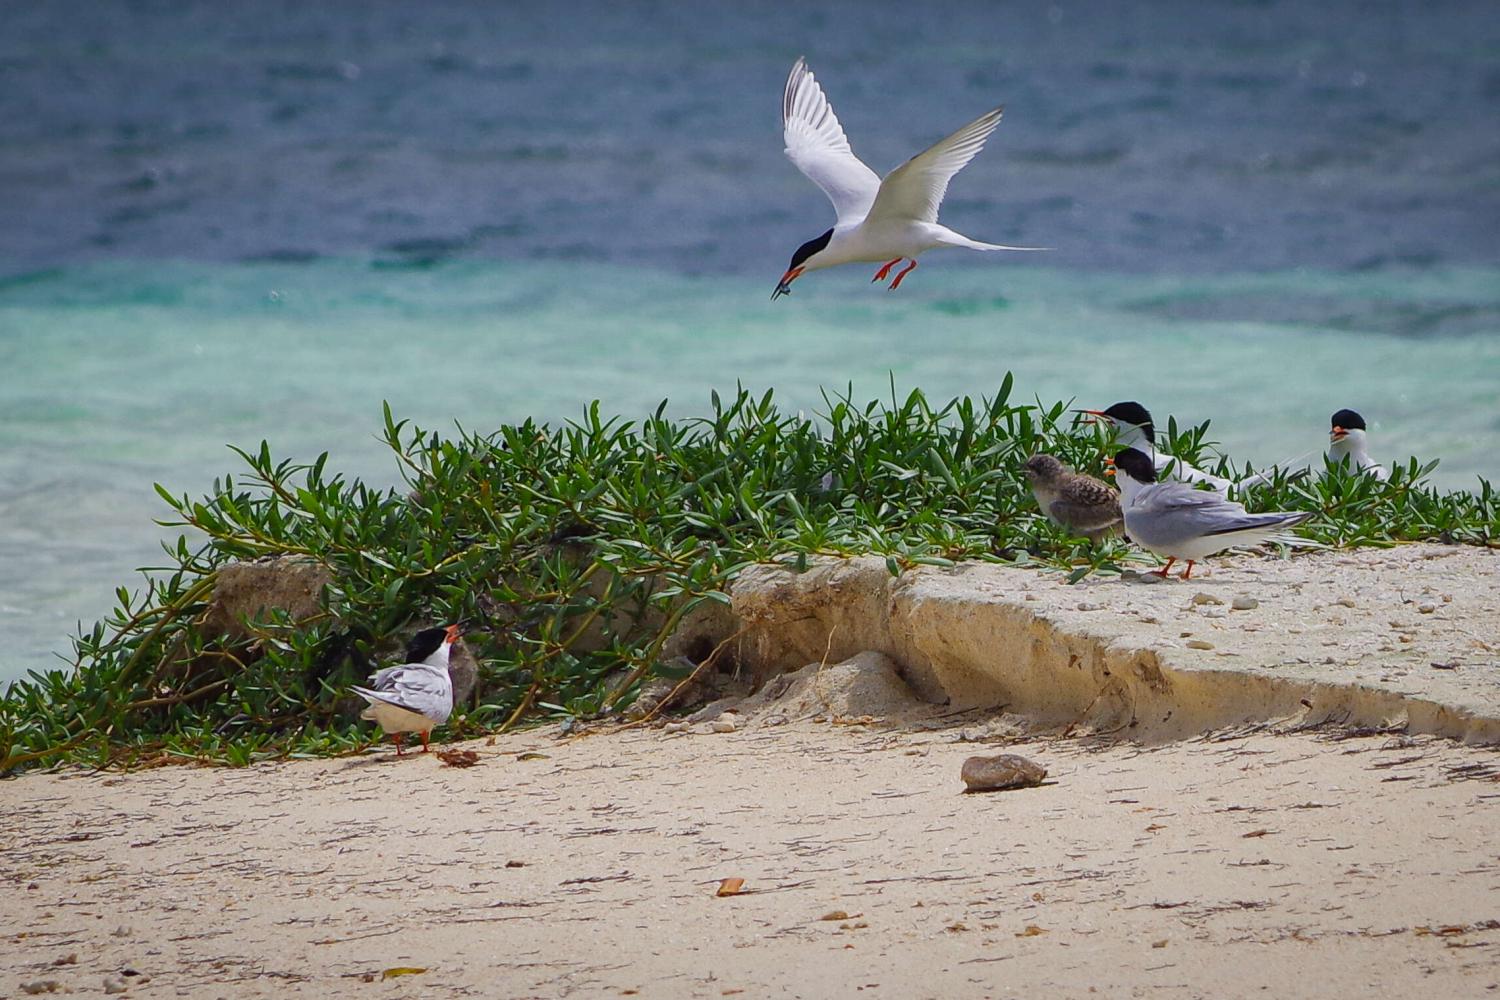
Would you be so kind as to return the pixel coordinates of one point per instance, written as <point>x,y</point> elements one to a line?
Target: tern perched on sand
<point>418,695</point>
<point>884,221</point>
<point>1080,503</point>
<point>1347,445</point>
<point>1174,520</point>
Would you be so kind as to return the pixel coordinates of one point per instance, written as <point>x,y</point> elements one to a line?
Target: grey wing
<point>1085,516</point>
<point>384,678</point>
<point>428,692</point>
<point>1184,512</point>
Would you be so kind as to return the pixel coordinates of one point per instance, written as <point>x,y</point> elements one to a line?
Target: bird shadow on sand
<point>378,757</point>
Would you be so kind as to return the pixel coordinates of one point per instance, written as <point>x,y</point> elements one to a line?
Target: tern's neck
<point>1129,487</point>
<point>1134,436</point>
<point>439,657</point>
<point>1351,446</point>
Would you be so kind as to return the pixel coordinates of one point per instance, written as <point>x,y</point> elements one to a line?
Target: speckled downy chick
<point>1079,503</point>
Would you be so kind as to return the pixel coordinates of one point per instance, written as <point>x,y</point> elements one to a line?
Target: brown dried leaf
<point>1256,833</point>
<point>1032,930</point>
<point>458,758</point>
<point>730,887</point>
<point>834,915</point>
<point>531,755</point>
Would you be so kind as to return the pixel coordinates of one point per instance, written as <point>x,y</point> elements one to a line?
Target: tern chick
<point>1174,520</point>
<point>1080,503</point>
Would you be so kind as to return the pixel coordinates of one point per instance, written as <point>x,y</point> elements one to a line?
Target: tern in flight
<point>885,221</point>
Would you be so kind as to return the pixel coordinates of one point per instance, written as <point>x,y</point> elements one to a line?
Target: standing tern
<point>417,695</point>
<point>1134,429</point>
<point>1179,522</point>
<point>1347,445</point>
<point>1080,503</point>
<point>884,221</point>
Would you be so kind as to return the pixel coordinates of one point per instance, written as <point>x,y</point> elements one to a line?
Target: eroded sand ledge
<point>1408,636</point>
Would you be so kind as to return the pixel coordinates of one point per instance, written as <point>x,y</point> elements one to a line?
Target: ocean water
<point>222,224</point>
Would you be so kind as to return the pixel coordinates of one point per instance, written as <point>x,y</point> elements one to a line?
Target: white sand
<point>1291,866</point>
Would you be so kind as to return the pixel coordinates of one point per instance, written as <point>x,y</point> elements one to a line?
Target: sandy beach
<point>1287,865</point>
<point>1330,834</point>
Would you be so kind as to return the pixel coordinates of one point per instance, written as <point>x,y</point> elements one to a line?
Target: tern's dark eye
<point>809,248</point>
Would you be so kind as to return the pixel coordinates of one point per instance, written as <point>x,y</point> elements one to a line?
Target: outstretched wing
<point>914,190</point>
<point>816,143</point>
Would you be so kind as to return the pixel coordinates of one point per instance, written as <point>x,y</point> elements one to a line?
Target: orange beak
<point>1096,413</point>
<point>1337,434</point>
<point>784,286</point>
<point>1109,466</point>
<point>452,633</point>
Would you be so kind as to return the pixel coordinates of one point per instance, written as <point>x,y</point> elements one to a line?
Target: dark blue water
<point>1166,137</point>
<point>227,222</point>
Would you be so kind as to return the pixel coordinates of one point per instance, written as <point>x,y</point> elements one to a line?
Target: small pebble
<point>675,727</point>
<point>1199,644</point>
<point>1426,609</point>
<point>1006,770</point>
<point>1086,606</point>
<point>1244,602</point>
<point>1216,613</point>
<point>41,986</point>
<point>1201,598</point>
<point>1347,602</point>
<point>725,723</point>
<point>114,984</point>
<point>121,931</point>
<point>1150,619</point>
<point>775,720</point>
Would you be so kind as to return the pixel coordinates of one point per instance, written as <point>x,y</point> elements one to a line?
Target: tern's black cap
<point>1136,464</point>
<point>1130,412</point>
<point>1348,420</point>
<point>809,248</point>
<point>425,643</point>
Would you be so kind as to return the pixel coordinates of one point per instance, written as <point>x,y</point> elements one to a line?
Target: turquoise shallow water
<point>117,375</point>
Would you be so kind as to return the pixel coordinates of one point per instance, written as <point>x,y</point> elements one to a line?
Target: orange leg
<point>881,274</point>
<point>1189,571</point>
<point>424,742</point>
<point>1163,571</point>
<point>397,738</point>
<point>901,274</point>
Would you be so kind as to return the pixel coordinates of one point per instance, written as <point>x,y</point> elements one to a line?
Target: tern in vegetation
<point>1348,444</point>
<point>1175,520</point>
<point>1079,503</point>
<point>417,695</point>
